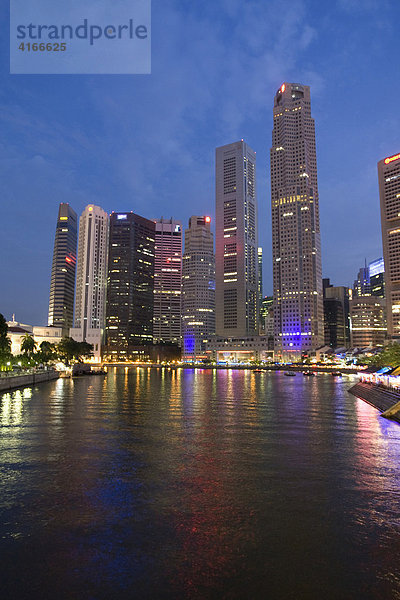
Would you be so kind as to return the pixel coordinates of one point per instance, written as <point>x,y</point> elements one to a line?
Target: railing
<point>7,374</point>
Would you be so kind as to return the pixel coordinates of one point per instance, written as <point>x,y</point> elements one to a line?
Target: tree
<point>69,349</point>
<point>5,342</point>
<point>28,345</point>
<point>388,357</point>
<point>46,352</point>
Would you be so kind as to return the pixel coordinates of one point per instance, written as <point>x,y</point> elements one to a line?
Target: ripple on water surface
<point>155,483</point>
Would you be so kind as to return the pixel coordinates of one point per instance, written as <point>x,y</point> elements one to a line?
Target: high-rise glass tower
<point>130,288</point>
<point>377,277</point>
<point>91,278</point>
<point>389,191</point>
<point>198,288</point>
<point>167,281</point>
<point>236,241</point>
<point>296,245</point>
<point>362,286</point>
<point>61,303</point>
<point>260,287</point>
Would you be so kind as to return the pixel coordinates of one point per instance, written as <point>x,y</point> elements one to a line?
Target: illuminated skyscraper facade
<point>296,246</point>
<point>361,285</point>
<point>91,278</point>
<point>167,281</point>
<point>198,288</point>
<point>368,322</point>
<point>377,277</point>
<point>62,285</point>
<point>130,286</point>
<point>236,241</point>
<point>260,283</point>
<point>389,191</point>
<point>336,315</point>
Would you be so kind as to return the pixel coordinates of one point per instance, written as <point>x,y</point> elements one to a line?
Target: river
<point>156,483</point>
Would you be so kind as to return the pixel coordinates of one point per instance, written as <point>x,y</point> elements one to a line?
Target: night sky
<point>146,143</point>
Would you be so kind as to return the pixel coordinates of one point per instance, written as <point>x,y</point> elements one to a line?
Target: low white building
<point>236,350</point>
<point>47,334</point>
<point>17,331</point>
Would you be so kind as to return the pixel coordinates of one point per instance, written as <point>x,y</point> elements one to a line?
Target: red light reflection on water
<point>211,531</point>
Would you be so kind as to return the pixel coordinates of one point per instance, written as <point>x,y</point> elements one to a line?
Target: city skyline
<point>169,224</point>
<point>85,146</point>
<point>200,299</point>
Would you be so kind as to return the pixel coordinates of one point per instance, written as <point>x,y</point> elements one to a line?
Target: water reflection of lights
<point>12,406</point>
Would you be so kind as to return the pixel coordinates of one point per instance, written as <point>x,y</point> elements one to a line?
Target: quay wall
<point>381,398</point>
<point>16,381</point>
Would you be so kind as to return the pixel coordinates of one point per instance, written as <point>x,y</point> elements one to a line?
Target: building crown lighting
<point>390,159</point>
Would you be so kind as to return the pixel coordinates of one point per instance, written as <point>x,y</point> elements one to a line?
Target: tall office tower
<point>361,285</point>
<point>130,288</point>
<point>260,277</point>
<point>377,277</point>
<point>261,324</point>
<point>336,315</point>
<point>389,191</point>
<point>167,281</point>
<point>198,288</point>
<point>91,278</point>
<point>236,241</point>
<point>267,317</point>
<point>296,245</point>
<point>61,303</point>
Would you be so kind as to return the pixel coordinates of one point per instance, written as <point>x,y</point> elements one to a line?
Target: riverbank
<point>11,382</point>
<point>295,368</point>
<point>385,400</point>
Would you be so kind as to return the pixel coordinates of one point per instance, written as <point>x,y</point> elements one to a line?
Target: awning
<point>395,372</point>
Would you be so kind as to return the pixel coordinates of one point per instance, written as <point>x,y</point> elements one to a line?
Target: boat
<point>336,374</point>
<point>289,374</point>
<point>308,374</point>
<point>257,371</point>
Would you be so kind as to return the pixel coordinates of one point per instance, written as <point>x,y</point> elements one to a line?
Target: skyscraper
<point>236,241</point>
<point>267,320</point>
<point>198,288</point>
<point>377,277</point>
<point>361,285</point>
<point>61,303</point>
<point>336,315</point>
<point>260,287</point>
<point>389,191</point>
<point>91,278</point>
<point>167,281</point>
<point>296,246</point>
<point>130,288</point>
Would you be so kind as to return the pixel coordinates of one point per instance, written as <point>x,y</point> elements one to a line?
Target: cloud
<point>358,6</point>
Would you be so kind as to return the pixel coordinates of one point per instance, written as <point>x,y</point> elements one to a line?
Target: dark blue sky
<point>146,143</point>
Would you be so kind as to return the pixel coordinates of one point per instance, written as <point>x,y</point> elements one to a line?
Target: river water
<point>155,483</point>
